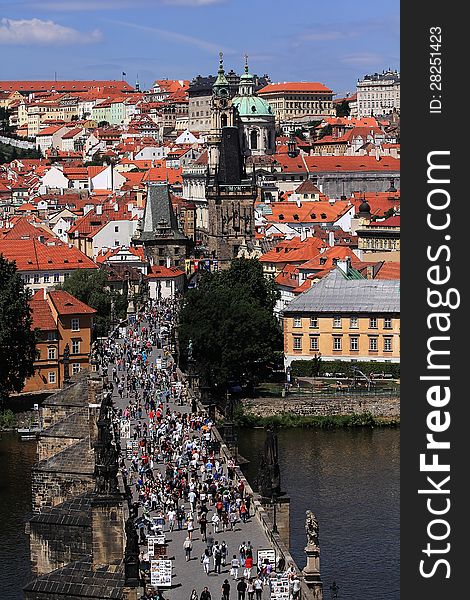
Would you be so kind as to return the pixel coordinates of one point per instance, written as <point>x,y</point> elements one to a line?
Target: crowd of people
<point>171,463</point>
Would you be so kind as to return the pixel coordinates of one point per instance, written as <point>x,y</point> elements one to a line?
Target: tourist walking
<point>205,594</point>
<point>194,595</point>
<point>250,590</point>
<point>188,546</point>
<point>234,566</point>
<point>241,589</point>
<point>258,585</point>
<point>206,562</point>
<point>226,590</point>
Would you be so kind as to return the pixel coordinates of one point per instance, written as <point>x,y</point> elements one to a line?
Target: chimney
<point>303,234</point>
<point>99,209</point>
<point>344,264</point>
<point>116,207</point>
<point>331,238</point>
<point>370,271</point>
<point>299,203</point>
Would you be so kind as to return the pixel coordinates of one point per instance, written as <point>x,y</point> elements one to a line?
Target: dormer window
<point>323,216</point>
<point>296,217</point>
<point>281,217</point>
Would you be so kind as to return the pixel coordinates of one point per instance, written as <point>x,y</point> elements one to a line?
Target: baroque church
<point>241,126</point>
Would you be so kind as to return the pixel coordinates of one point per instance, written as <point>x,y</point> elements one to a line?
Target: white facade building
<point>378,94</point>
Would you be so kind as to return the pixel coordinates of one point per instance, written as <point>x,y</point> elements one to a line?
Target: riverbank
<point>242,419</point>
<point>319,414</point>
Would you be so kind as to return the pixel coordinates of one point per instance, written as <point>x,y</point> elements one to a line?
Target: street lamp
<point>334,591</point>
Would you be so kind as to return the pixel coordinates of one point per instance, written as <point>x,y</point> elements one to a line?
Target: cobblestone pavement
<point>190,575</point>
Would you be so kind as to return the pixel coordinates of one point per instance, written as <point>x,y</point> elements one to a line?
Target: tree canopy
<point>230,322</point>
<point>91,286</point>
<point>17,340</point>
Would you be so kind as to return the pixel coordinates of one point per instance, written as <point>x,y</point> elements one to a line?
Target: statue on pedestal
<point>311,528</point>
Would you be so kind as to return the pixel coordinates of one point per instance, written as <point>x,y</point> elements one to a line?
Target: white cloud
<point>178,37</point>
<point>107,5</point>
<point>363,59</point>
<point>30,32</point>
<point>322,36</point>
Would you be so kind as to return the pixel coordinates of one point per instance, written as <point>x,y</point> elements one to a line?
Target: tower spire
<point>246,63</point>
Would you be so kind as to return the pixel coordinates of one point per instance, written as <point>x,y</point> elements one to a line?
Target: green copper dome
<point>252,106</point>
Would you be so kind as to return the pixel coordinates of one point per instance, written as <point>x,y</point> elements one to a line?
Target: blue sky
<point>333,42</point>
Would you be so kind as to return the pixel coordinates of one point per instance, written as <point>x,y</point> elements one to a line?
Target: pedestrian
<point>248,567</point>
<point>194,595</point>
<point>190,527</point>
<point>241,588</point>
<point>295,588</point>
<point>206,562</point>
<point>258,585</point>
<point>188,546</point>
<point>226,590</point>
<point>234,566</point>
<point>250,590</point>
<point>224,550</point>
<point>217,554</point>
<point>205,594</point>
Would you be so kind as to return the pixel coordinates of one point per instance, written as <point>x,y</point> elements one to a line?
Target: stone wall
<point>52,546</point>
<point>50,488</point>
<point>50,446</point>
<point>378,406</point>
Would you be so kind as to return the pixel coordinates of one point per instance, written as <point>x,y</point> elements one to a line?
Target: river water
<point>350,479</point>
<point>16,459</point>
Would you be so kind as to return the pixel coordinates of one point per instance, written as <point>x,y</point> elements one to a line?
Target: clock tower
<point>222,113</point>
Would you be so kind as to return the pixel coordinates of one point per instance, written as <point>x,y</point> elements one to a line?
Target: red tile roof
<point>41,313</point>
<point>351,163</point>
<point>157,272</point>
<point>293,250</point>
<point>295,86</point>
<point>32,255</point>
<point>66,304</point>
<point>64,86</point>
<point>390,222</point>
<point>308,212</point>
<point>389,270</point>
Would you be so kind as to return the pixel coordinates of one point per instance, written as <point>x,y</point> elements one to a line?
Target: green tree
<point>17,340</point>
<point>343,109</point>
<point>324,131</point>
<point>229,319</point>
<point>91,286</point>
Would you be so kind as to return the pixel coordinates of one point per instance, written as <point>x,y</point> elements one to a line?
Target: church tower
<point>222,113</point>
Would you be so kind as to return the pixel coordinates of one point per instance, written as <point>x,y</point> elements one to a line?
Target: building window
<point>387,322</point>
<point>336,321</point>
<point>353,343</point>
<point>36,278</point>
<point>51,353</point>
<point>56,278</point>
<point>373,344</point>
<point>373,323</point>
<point>353,322</point>
<point>51,377</point>
<point>314,343</point>
<point>51,336</point>
<point>75,324</point>
<point>337,345</point>
<point>297,343</point>
<point>46,277</point>
<point>75,346</point>
<point>314,322</point>
<point>387,344</point>
<point>297,322</point>
<point>75,368</point>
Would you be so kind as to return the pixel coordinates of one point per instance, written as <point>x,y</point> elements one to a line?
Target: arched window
<point>254,139</point>
<point>223,120</point>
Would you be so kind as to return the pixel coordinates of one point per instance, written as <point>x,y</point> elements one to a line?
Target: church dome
<point>252,106</point>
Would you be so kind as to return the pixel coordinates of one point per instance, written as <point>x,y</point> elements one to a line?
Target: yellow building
<point>344,317</point>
